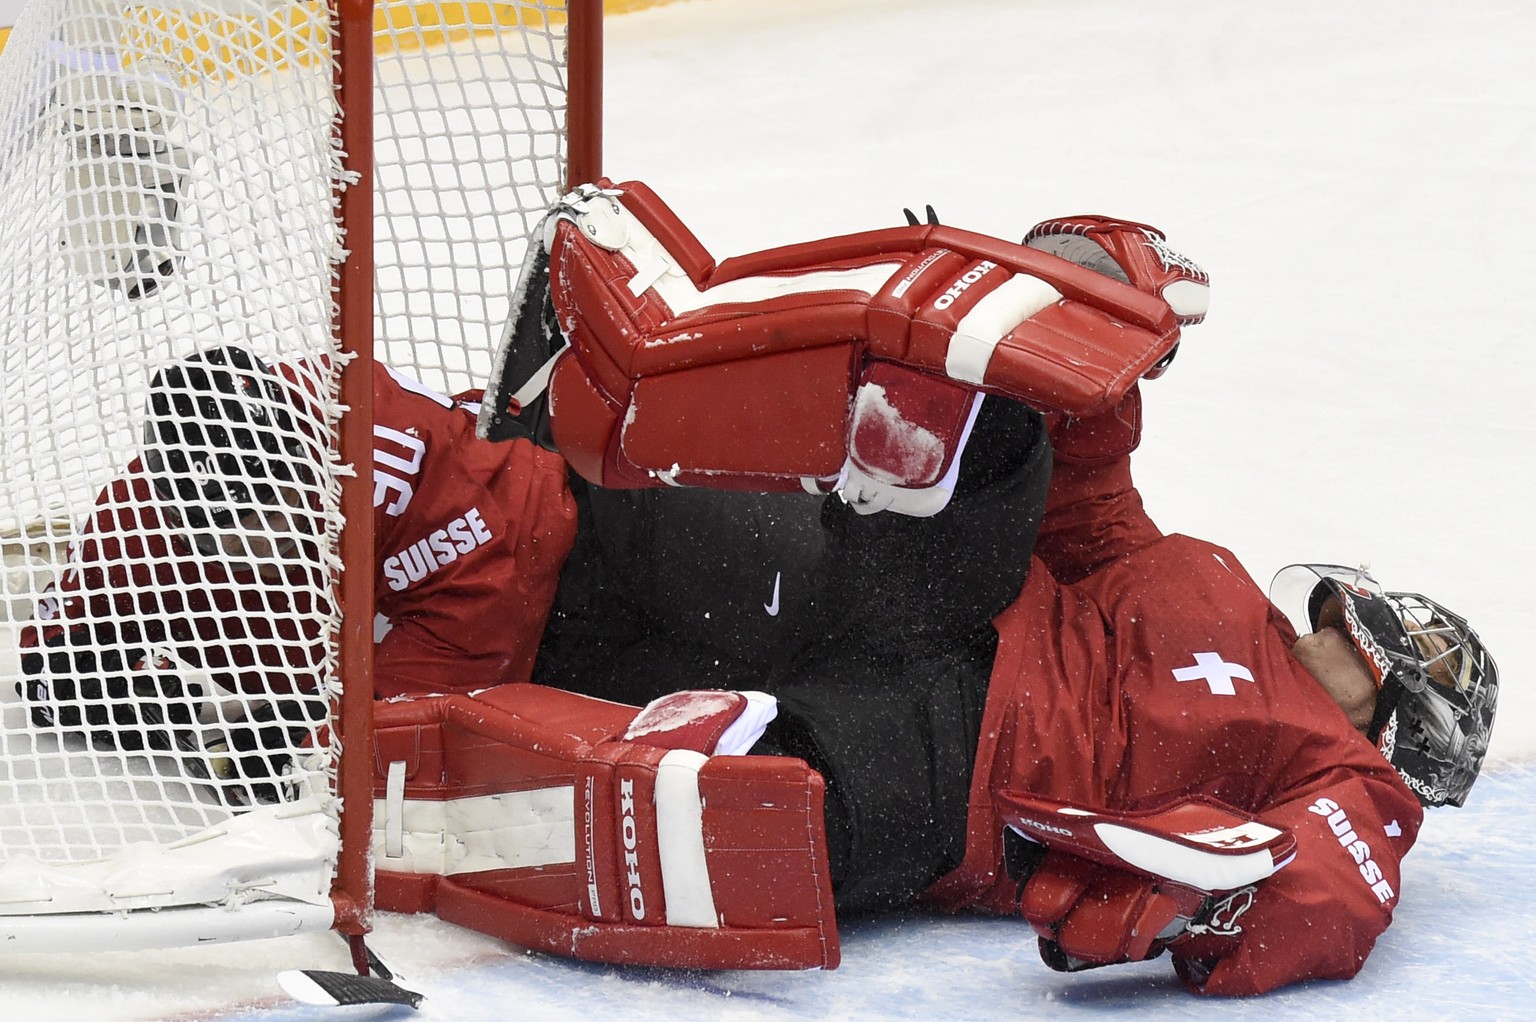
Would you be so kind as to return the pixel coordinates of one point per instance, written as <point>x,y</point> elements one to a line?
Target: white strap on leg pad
<point>680,840</point>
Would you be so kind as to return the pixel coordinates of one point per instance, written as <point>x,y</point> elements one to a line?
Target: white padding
<point>681,296</point>
<point>745,730</point>
<point>511,830</point>
<point>621,231</point>
<point>1188,298</point>
<point>394,810</point>
<point>151,929</point>
<point>1206,871</point>
<point>680,841</point>
<point>994,317</point>
<point>284,851</point>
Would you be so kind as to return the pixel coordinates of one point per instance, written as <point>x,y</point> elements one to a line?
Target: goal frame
<point>355,306</point>
<point>352,891</point>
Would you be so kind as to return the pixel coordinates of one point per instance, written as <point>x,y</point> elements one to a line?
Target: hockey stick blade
<point>1198,842</point>
<point>331,989</point>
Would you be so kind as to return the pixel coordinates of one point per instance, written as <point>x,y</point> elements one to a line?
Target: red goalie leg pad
<point>520,814</point>
<point>741,375</point>
<point>755,399</point>
<point>585,427</point>
<point>768,425</point>
<point>738,376</point>
<point>637,296</point>
<point>777,417</point>
<point>479,790</point>
<point>703,862</point>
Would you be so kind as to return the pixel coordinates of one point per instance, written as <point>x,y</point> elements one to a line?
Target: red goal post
<point>353,894</point>
<point>325,187</point>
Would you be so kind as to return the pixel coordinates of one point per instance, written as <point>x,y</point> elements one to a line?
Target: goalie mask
<point>220,446</point>
<point>1437,687</point>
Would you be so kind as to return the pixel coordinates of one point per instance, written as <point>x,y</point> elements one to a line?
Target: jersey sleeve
<point>1094,513</point>
<point>477,619</point>
<point>109,561</point>
<point>1319,916</point>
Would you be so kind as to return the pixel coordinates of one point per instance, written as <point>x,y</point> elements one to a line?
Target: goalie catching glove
<point>1103,888</point>
<point>850,364</point>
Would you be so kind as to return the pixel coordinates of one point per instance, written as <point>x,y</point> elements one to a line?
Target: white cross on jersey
<point>1215,672</point>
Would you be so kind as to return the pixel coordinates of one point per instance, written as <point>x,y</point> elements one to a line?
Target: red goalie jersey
<point>1142,668</point>
<point>469,535</point>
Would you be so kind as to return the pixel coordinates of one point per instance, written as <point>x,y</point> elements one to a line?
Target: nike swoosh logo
<point>772,607</point>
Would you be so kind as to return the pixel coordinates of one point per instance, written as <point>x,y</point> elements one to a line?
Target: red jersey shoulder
<point>1181,611</point>
<point>448,504</point>
<point>417,436</point>
<point>1187,616</point>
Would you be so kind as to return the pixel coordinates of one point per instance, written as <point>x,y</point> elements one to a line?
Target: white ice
<point>1360,180</point>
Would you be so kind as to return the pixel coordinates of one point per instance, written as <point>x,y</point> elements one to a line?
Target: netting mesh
<point>168,181</point>
<point>469,152</point>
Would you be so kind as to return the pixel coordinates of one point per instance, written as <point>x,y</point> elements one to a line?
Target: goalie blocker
<point>592,830</point>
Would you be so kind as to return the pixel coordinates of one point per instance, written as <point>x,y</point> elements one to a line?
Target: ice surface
<point>1459,950</point>
<point>1358,180</point>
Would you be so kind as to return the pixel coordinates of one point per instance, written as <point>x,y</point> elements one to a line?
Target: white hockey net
<point>168,185</point>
